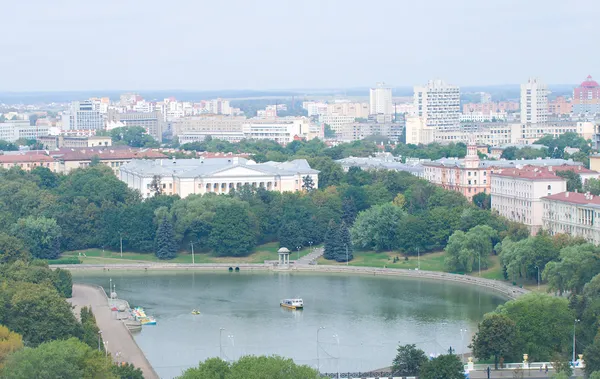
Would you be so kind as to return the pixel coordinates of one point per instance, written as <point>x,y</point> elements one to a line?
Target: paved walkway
<point>114,332</point>
<point>312,256</point>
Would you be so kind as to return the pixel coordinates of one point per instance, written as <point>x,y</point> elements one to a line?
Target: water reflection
<point>368,315</point>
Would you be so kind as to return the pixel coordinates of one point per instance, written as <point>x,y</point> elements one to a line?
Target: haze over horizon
<point>67,45</point>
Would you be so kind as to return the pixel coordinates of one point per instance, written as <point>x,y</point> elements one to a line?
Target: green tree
<point>349,210</point>
<point>273,367</point>
<point>29,303</point>
<point>344,249</point>
<point>212,368</point>
<point>591,356</point>
<point>495,338</point>
<point>577,266</point>
<point>12,249</point>
<point>90,329</point>
<point>127,370</point>
<point>329,133</point>
<point>332,241</point>
<point>156,186</point>
<point>377,228</point>
<point>69,359</point>
<point>573,180</point>
<point>233,231</point>
<point>592,186</point>
<point>46,178</point>
<point>483,200</point>
<point>63,282</point>
<point>465,250</point>
<point>408,361</point>
<point>41,235</point>
<point>9,343</point>
<point>446,366</point>
<point>166,246</point>
<point>8,146</point>
<point>134,136</point>
<point>307,183</point>
<point>544,325</point>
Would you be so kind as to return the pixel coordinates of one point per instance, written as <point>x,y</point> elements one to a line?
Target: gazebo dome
<point>283,250</point>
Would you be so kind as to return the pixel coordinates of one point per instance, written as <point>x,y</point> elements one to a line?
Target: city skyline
<point>71,46</point>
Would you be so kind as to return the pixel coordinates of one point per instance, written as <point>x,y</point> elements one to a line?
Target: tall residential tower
<point>438,104</point>
<point>381,100</point>
<point>534,102</point>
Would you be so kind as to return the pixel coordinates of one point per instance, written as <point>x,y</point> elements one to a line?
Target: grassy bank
<point>261,253</point>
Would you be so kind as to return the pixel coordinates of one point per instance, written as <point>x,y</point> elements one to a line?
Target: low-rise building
<point>357,131</point>
<point>577,214</point>
<point>281,130</point>
<point>14,130</point>
<point>153,122</point>
<point>27,160</point>
<point>197,128</point>
<point>185,177</point>
<point>57,142</point>
<point>382,161</point>
<point>113,157</point>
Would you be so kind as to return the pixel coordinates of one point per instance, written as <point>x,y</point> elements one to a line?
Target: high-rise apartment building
<point>586,97</point>
<point>81,115</point>
<point>380,100</point>
<point>534,102</point>
<point>438,104</point>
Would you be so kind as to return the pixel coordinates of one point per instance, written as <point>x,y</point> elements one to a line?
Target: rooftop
<point>25,157</point>
<point>575,198</point>
<point>541,173</point>
<point>113,152</point>
<point>192,168</point>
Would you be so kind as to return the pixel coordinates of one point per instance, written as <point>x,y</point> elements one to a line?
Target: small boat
<point>147,320</point>
<point>292,303</point>
<point>195,312</point>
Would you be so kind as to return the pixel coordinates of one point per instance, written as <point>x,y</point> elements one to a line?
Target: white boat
<point>292,303</point>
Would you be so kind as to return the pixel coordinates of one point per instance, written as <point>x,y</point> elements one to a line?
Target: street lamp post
<point>418,259</point>
<point>318,361</point>
<point>346,254</point>
<point>298,248</point>
<point>310,244</point>
<point>193,260</point>
<point>121,239</point>
<point>232,344</point>
<point>220,344</point>
<point>338,358</point>
<point>574,325</point>
<point>462,347</point>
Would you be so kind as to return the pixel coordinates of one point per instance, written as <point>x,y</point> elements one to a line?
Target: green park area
<point>260,254</point>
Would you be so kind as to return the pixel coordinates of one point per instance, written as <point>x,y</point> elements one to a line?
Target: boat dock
<point>114,332</point>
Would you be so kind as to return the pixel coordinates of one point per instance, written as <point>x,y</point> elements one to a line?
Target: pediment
<point>240,171</point>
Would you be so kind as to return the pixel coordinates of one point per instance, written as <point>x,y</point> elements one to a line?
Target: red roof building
<point>586,97</point>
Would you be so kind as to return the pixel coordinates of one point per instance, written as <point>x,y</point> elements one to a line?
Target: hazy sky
<point>54,45</point>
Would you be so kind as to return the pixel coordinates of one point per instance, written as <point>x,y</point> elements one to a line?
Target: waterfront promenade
<point>511,292</point>
<point>114,332</point>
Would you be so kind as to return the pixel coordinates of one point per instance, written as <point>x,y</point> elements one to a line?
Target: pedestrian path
<point>310,257</point>
<point>119,341</point>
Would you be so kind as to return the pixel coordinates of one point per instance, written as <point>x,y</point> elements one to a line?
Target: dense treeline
<point>48,213</point>
<point>554,148</point>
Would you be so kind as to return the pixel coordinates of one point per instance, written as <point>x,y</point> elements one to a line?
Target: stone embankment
<point>509,291</point>
<point>114,332</point>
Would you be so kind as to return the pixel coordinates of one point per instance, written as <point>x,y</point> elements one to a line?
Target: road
<point>114,332</point>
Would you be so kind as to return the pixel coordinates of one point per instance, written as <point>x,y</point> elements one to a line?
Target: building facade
<point>586,97</point>
<point>517,193</point>
<point>380,100</point>
<point>197,128</point>
<point>534,102</point>
<point>57,142</point>
<point>185,177</point>
<point>336,122</point>
<point>560,106</point>
<point>281,130</point>
<point>153,122</point>
<point>69,159</point>
<point>27,161</point>
<point>438,104</point>
<point>11,131</point>
<point>82,115</point>
<point>576,214</point>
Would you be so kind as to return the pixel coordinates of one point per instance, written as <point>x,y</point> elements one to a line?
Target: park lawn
<point>261,253</point>
<point>429,262</point>
<point>494,270</point>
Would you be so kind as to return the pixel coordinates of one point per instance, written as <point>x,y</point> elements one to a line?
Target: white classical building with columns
<point>185,177</point>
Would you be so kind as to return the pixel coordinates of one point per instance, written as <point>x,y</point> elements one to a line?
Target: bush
<point>65,261</point>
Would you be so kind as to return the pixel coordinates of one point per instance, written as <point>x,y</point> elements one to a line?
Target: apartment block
<point>438,104</point>
<point>14,130</point>
<point>82,115</point>
<point>197,128</point>
<point>153,122</point>
<point>380,100</point>
<point>534,102</point>
<point>576,214</point>
<point>586,97</point>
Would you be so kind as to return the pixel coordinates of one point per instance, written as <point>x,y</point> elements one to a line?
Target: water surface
<point>368,315</point>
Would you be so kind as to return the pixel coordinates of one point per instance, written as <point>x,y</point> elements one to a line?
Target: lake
<point>364,317</point>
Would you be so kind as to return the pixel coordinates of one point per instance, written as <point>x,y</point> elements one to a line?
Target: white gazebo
<point>284,257</point>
